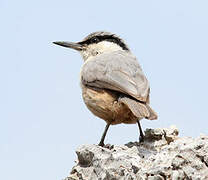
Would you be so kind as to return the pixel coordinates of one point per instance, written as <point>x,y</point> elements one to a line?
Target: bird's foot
<point>108,146</point>
<point>141,138</point>
<point>101,144</point>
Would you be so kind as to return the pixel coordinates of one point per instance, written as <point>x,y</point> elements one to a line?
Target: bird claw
<point>101,144</point>
<point>141,139</point>
<point>108,146</point>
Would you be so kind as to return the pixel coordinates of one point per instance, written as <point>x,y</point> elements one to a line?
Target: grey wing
<point>117,71</point>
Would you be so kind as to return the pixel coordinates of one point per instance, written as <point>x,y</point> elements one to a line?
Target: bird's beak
<point>72,45</point>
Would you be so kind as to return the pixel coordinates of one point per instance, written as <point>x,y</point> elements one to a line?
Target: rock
<point>84,157</point>
<point>162,156</point>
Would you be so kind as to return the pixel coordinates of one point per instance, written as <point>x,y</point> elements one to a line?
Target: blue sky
<point>43,118</point>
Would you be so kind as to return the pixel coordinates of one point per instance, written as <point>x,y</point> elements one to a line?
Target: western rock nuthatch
<point>114,87</point>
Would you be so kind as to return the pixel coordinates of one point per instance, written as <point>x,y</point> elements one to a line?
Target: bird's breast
<point>103,103</point>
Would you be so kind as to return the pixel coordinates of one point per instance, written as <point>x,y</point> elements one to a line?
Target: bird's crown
<point>100,36</point>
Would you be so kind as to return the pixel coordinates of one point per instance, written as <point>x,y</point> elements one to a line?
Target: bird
<point>114,87</point>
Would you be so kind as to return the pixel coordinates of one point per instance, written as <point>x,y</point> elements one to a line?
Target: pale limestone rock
<point>163,155</point>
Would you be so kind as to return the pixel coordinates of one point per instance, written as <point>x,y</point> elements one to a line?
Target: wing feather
<point>117,71</point>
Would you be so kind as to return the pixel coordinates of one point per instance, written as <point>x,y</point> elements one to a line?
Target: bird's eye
<point>94,40</point>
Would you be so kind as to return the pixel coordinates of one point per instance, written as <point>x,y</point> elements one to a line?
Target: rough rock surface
<point>163,155</point>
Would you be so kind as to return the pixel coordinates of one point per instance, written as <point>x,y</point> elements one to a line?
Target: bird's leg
<point>104,134</point>
<point>141,137</point>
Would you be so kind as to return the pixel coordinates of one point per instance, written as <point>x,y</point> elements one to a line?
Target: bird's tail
<point>139,109</point>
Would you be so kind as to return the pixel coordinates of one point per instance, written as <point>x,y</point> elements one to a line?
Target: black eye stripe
<point>111,38</point>
<point>94,40</point>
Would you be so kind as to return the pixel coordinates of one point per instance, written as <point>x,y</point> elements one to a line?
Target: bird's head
<point>96,43</point>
